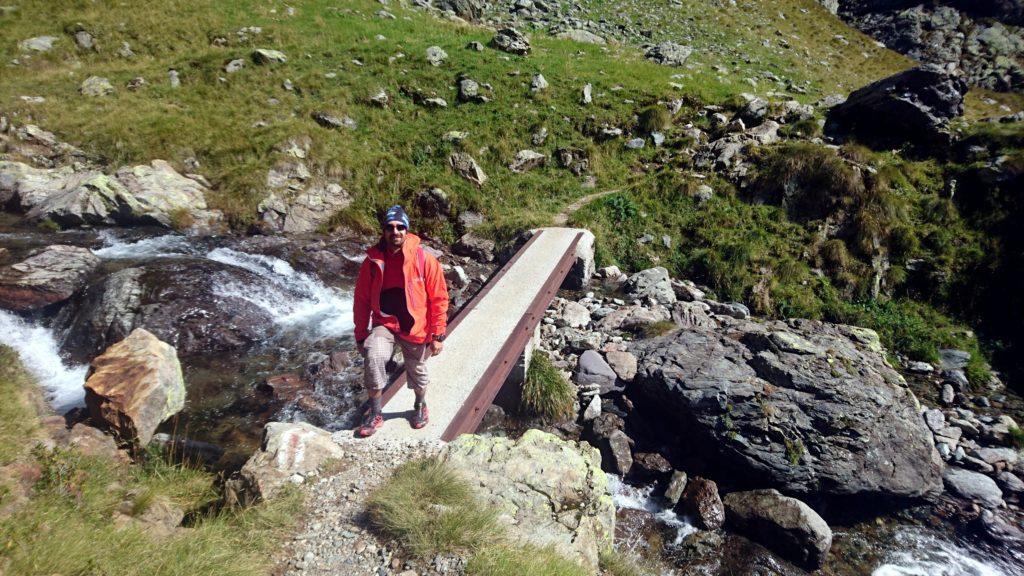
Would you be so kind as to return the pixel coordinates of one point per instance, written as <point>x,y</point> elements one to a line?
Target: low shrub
<point>653,119</point>
<point>509,560</point>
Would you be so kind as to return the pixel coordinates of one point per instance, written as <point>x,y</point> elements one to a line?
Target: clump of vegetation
<point>655,329</point>
<point>653,119</point>
<point>546,391</point>
<point>794,451</point>
<point>64,525</point>
<point>1017,437</point>
<point>430,509</point>
<point>618,564</point>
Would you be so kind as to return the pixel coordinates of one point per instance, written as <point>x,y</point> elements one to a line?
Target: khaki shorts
<point>380,346</point>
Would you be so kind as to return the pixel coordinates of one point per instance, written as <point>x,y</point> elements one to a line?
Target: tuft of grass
<point>653,119</point>
<point>617,564</point>
<point>511,560</point>
<point>432,510</point>
<point>546,392</point>
<point>17,414</point>
<point>655,329</point>
<point>1017,437</point>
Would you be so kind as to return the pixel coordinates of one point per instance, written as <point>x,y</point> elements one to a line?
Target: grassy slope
<point>394,152</point>
<point>66,525</point>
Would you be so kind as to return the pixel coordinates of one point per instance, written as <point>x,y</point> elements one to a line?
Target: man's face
<point>394,234</point>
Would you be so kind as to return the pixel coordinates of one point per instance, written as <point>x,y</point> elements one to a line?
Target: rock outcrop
<point>153,194</point>
<point>50,276</point>
<point>134,386</point>
<point>297,212</point>
<point>785,525</point>
<point>911,107</point>
<point>289,453</point>
<point>804,406</point>
<point>549,491</point>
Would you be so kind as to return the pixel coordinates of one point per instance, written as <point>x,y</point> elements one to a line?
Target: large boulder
<point>653,283</point>
<point>800,405</point>
<point>973,486</point>
<point>134,386</point>
<point>167,196</point>
<point>289,452</point>
<point>701,502</point>
<point>50,276</point>
<point>549,491</point>
<point>785,525</point>
<point>912,107</point>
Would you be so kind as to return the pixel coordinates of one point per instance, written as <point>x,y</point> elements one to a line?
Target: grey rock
<point>668,53</point>
<point>947,395</point>
<point>587,95</point>
<point>914,106</point>
<point>173,78</point>
<point>37,44</point>
<point>713,383</point>
<point>287,450</point>
<point>973,486</point>
<point>304,210</point>
<point>464,165</point>
<point>920,367</point>
<point>592,369</point>
<point>328,120</point>
<point>622,363</point>
<point>47,277</point>
<point>950,359</point>
<point>1010,483</point>
<point>785,525</point>
<point>264,56</point>
<point>635,143</point>
<point>436,55</point>
<point>84,40</point>
<point>480,249</point>
<point>96,86</point>
<point>550,492</point>
<point>235,65</point>
<point>652,283</point>
<point>538,83</point>
<point>621,457</point>
<point>512,41</point>
<point>593,409</point>
<point>526,160</point>
<point>675,488</point>
<point>736,310</point>
<point>583,36</point>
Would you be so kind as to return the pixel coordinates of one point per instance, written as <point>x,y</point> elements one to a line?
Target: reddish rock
<point>702,502</point>
<point>50,276</point>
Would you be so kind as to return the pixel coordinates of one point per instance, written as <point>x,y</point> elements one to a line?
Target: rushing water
<point>917,552</point>
<point>39,352</point>
<point>640,498</point>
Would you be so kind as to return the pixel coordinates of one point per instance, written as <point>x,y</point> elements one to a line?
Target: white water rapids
<point>298,303</point>
<point>921,553</point>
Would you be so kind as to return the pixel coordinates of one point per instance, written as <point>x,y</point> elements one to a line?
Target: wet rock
<point>669,53</point>
<point>283,387</point>
<point>289,452</point>
<point>973,486</point>
<point>914,106</point>
<point>700,501</point>
<point>134,386</point>
<point>50,276</point>
<point>785,525</point>
<point>464,165</point>
<point>104,314</point>
<point>512,41</point>
<point>649,466</point>
<point>550,491</point>
<point>738,383</point>
<point>676,486</point>
<point>526,160</point>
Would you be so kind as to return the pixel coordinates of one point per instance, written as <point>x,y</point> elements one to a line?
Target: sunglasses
<point>395,227</point>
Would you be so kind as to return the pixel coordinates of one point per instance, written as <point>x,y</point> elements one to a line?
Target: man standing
<point>401,298</point>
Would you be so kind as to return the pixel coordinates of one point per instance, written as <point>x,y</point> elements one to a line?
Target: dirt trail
<point>563,217</point>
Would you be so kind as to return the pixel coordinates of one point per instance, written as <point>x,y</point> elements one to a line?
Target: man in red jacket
<point>400,298</point>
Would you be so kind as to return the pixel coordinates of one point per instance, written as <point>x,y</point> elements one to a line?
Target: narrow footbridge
<point>486,339</point>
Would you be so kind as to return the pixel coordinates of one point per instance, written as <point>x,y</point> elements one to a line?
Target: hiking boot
<point>420,417</point>
<point>371,422</point>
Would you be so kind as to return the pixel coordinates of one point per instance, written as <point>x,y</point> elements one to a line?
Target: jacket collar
<point>412,242</point>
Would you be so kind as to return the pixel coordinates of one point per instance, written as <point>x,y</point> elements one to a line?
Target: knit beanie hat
<point>396,214</point>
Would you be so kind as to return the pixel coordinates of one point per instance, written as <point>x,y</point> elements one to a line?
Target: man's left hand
<point>436,347</point>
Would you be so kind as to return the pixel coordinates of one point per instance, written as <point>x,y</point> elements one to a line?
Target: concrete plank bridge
<point>488,336</point>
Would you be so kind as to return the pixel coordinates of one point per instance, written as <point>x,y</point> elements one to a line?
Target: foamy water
<point>156,247</point>
<point>38,351</point>
<point>640,498</point>
<point>925,554</point>
<point>296,301</point>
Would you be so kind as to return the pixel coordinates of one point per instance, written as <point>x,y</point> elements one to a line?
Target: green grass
<point>617,564</point>
<point>546,392</point>
<point>432,510</point>
<point>1017,437</point>
<point>66,524</point>
<point>18,422</point>
<point>655,329</point>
